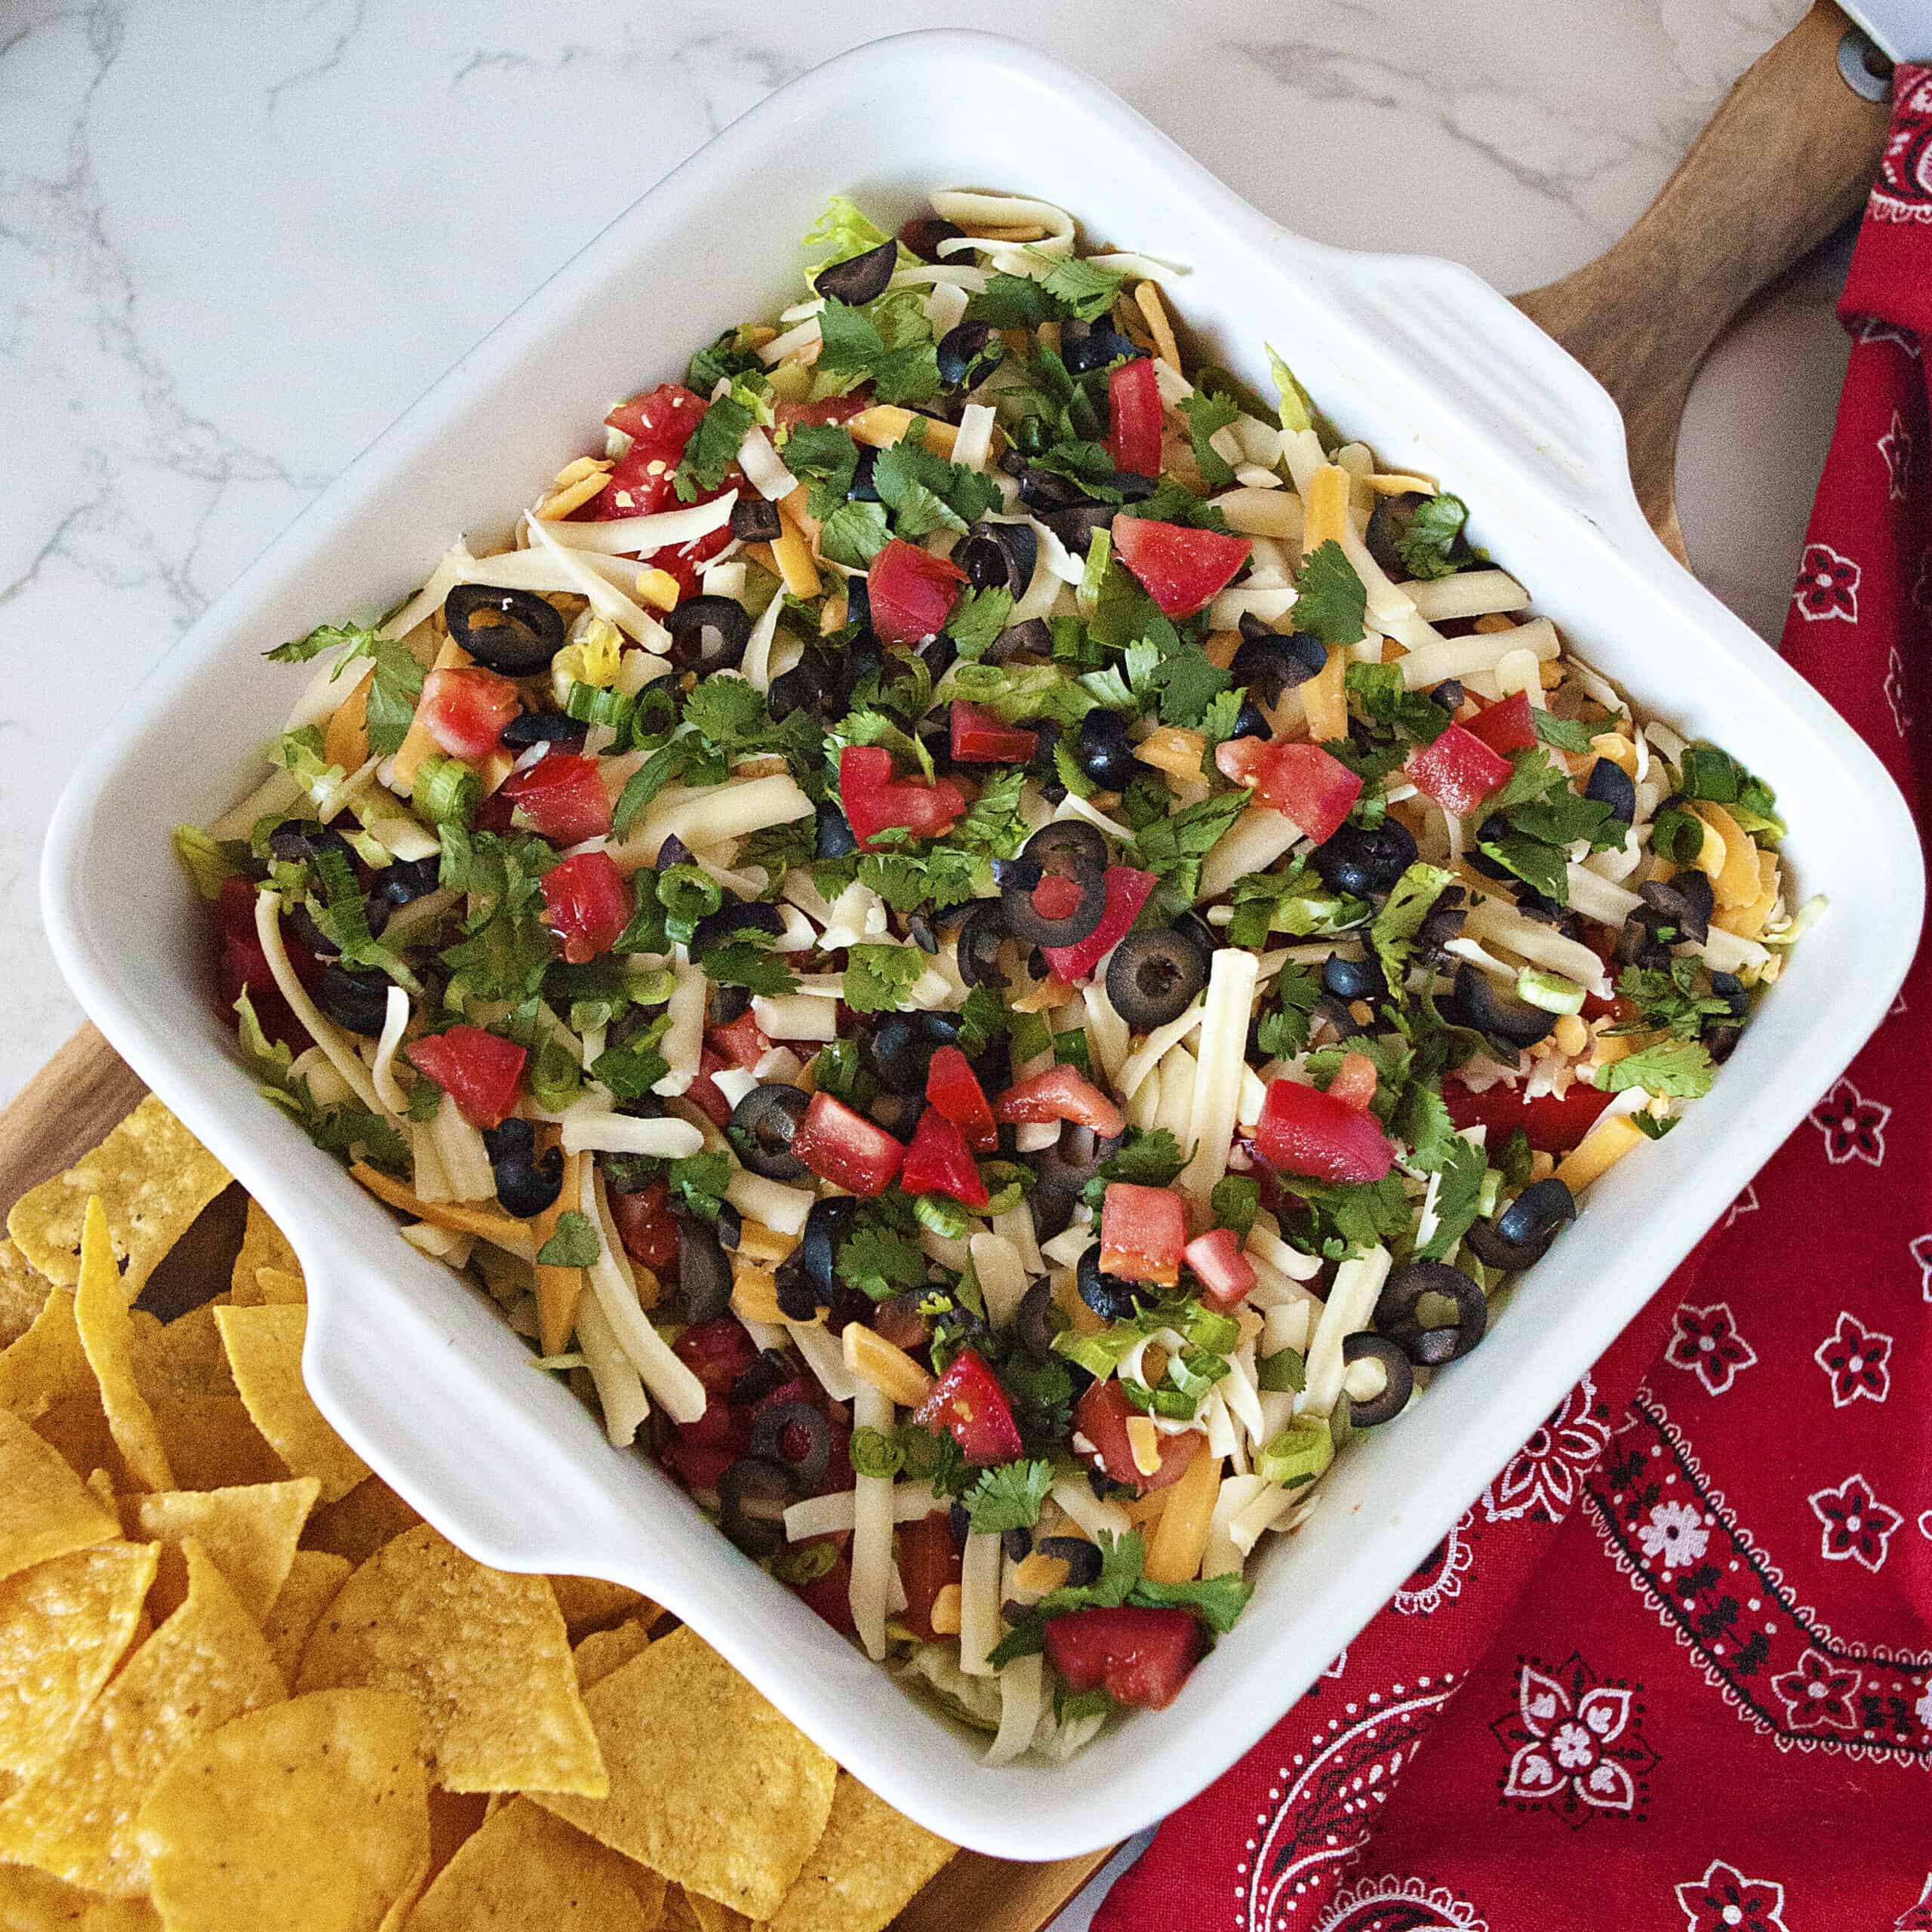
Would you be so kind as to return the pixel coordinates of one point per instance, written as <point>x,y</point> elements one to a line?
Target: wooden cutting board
<point>1786,159</point>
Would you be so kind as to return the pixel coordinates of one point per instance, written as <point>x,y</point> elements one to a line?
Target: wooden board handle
<point>1788,156</point>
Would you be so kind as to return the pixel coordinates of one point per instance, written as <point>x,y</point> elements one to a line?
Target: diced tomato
<point>478,1070</point>
<point>874,800</point>
<point>699,1453</point>
<point>1303,781</point>
<point>1458,772</point>
<point>938,1161</point>
<point>1127,889</point>
<point>1354,1083</point>
<point>979,738</point>
<point>1142,1231</point>
<point>684,561</point>
<point>1504,727</point>
<point>741,1043</point>
<point>1140,1658</point>
<point>1551,1124</point>
<point>1225,1274</point>
<point>1101,1417</point>
<point>846,1149</point>
<point>242,966</point>
<point>912,592</point>
<point>968,1402</point>
<point>649,1232</point>
<point>830,409</point>
<point>929,1559</point>
<point>1060,1093</point>
<point>954,1089</point>
<point>465,708</point>
<point>830,1595</point>
<point>562,798</point>
<point>703,1092</point>
<point>1178,567</point>
<point>1303,1131</point>
<point>587,903</point>
<point>495,813</point>
<point>643,482</point>
<point>1133,417</point>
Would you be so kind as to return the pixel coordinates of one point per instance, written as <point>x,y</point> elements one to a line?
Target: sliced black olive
<point>968,355</point>
<point>1075,525</point>
<point>1387,522</point>
<point>1103,751</point>
<point>771,1372</point>
<point>297,840</point>
<point>1363,1346</point>
<point>1450,694</point>
<point>1721,1038</point>
<point>925,233</point>
<point>704,1274</point>
<point>1064,1169</point>
<point>728,1003</point>
<point>1082,1558</point>
<point>512,1140</point>
<point>1038,1320</point>
<point>999,556</point>
<point>1032,927</point>
<point>762,1125</point>
<point>1251,721</point>
<point>1107,1295</point>
<point>755,521</point>
<point>798,1438</point>
<point>673,852</point>
<point>752,1497</point>
<point>1094,347</point>
<point>1521,1234</point>
<point>938,652</point>
<point>1442,922</point>
<point>730,1226</point>
<point>1685,902</point>
<point>899,1319</point>
<point>1638,943</point>
<point>1500,1016</point>
<point>863,488</point>
<point>1206,941</point>
<point>961,1523</point>
<point>897,1113</point>
<point>1336,1012</point>
<point>835,838</point>
<point>1267,662</point>
<point>859,279</point>
<point>1395,1314</point>
<point>1044,489</point>
<point>900,1047</point>
<point>357,1001</point>
<point>1354,976</point>
<point>708,634</point>
<point>1611,785</point>
<point>515,631</point>
<point>1032,635</point>
<point>735,916</point>
<point>826,1226</point>
<point>981,934</point>
<point>525,1186</point>
<point>1153,976</point>
<point>919,930</point>
<point>1017,1545</point>
<point>1356,860</point>
<point>812,684</point>
<point>545,727</point>
<point>408,880</point>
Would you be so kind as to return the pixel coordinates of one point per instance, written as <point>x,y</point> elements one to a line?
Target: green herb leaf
<point>713,447</point>
<point>977,619</point>
<point>878,977</point>
<point>575,1244</point>
<point>1425,546</point>
<point>1566,734</point>
<point>1174,846</point>
<point>1331,601</point>
<point>1458,1195</point>
<point>854,534</point>
<point>1009,1497</point>
<point>1235,1202</point>
<point>1682,1068</point>
<point>1206,414</point>
<point>1410,901</point>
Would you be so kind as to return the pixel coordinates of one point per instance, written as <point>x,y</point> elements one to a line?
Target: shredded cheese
<point>872,1530</point>
<point>334,1042</point>
<point>1223,1055</point>
<point>612,1283</point>
<point>620,1396</point>
<point>1350,1308</point>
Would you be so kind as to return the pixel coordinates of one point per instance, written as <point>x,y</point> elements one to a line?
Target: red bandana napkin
<point>1713,1710</point>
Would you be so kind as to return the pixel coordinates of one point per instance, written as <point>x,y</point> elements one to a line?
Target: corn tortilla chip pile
<point>243,1685</point>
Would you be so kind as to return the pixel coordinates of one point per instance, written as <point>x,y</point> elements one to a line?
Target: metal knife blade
<point>1902,29</point>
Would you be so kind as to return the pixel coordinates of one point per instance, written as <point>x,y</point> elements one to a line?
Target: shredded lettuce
<point>842,230</point>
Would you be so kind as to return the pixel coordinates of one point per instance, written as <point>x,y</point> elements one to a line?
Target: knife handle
<point>1789,155</point>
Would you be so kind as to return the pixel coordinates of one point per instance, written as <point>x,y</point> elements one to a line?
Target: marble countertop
<point>234,243</point>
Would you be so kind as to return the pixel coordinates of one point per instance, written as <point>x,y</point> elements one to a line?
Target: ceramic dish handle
<point>1787,156</point>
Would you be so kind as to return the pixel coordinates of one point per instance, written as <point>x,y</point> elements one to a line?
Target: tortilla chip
<point>153,1178</point>
<point>207,1663</point>
<point>64,1626</point>
<point>100,1313</point>
<point>265,1354</point>
<point>526,1869</point>
<point>604,1651</point>
<point>455,1817</point>
<point>278,1288</point>
<point>688,1742</point>
<point>712,1916</point>
<point>33,1901</point>
<point>47,1364</point>
<point>213,1444</point>
<point>359,1525</point>
<point>589,1603</point>
<point>250,1533</point>
<point>45,1508</point>
<point>483,1652</point>
<point>864,1870</point>
<point>313,1813</point>
<point>23,1292</point>
<point>679,1915</point>
<point>314,1577</point>
<point>178,1359</point>
<point>263,1245</point>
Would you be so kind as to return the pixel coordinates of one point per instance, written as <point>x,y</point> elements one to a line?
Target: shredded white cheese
<point>615,1287</point>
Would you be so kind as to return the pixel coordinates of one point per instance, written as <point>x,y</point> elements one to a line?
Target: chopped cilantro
<point>1206,415</point>
<point>878,977</point>
<point>880,1259</point>
<point>1331,601</point>
<point>1173,846</point>
<point>1235,1202</point>
<point>855,345</point>
<point>1670,999</point>
<point>745,963</point>
<point>1566,734</point>
<point>1009,1497</point>
<point>574,1244</point>
<point>1680,1068</point>
<point>1147,1159</point>
<point>962,496</point>
<point>977,619</point>
<point>713,447</point>
<point>1386,700</point>
<point>1285,1029</point>
<point>1410,901</point>
<point>1425,546</point>
<point>854,534</point>
<point>393,686</point>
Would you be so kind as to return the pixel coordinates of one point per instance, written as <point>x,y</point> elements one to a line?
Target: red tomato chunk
<point>1140,1658</point>
<point>875,801</point>
<point>1458,772</point>
<point>587,903</point>
<point>1302,781</point>
<point>1134,410</point>
<point>561,798</point>
<point>1225,1274</point>
<point>1142,1231</point>
<point>846,1149</point>
<point>1101,1417</point>
<point>938,1161</point>
<point>912,592</point>
<point>1304,1131</point>
<point>969,1403</point>
<point>1061,1093</point>
<point>979,738</point>
<point>479,1072</point>
<point>465,708</point>
<point>1127,891</point>
<point>954,1089</point>
<point>1178,567</point>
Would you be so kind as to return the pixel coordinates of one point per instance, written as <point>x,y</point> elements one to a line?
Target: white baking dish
<point>1417,357</point>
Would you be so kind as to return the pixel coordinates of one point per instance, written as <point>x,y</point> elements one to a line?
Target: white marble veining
<point>236,240</point>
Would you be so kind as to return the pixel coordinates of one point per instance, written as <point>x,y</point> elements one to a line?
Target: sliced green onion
<point>688,893</point>
<point>1299,1454</point>
<point>1550,991</point>
<point>1284,1373</point>
<point>940,1216</point>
